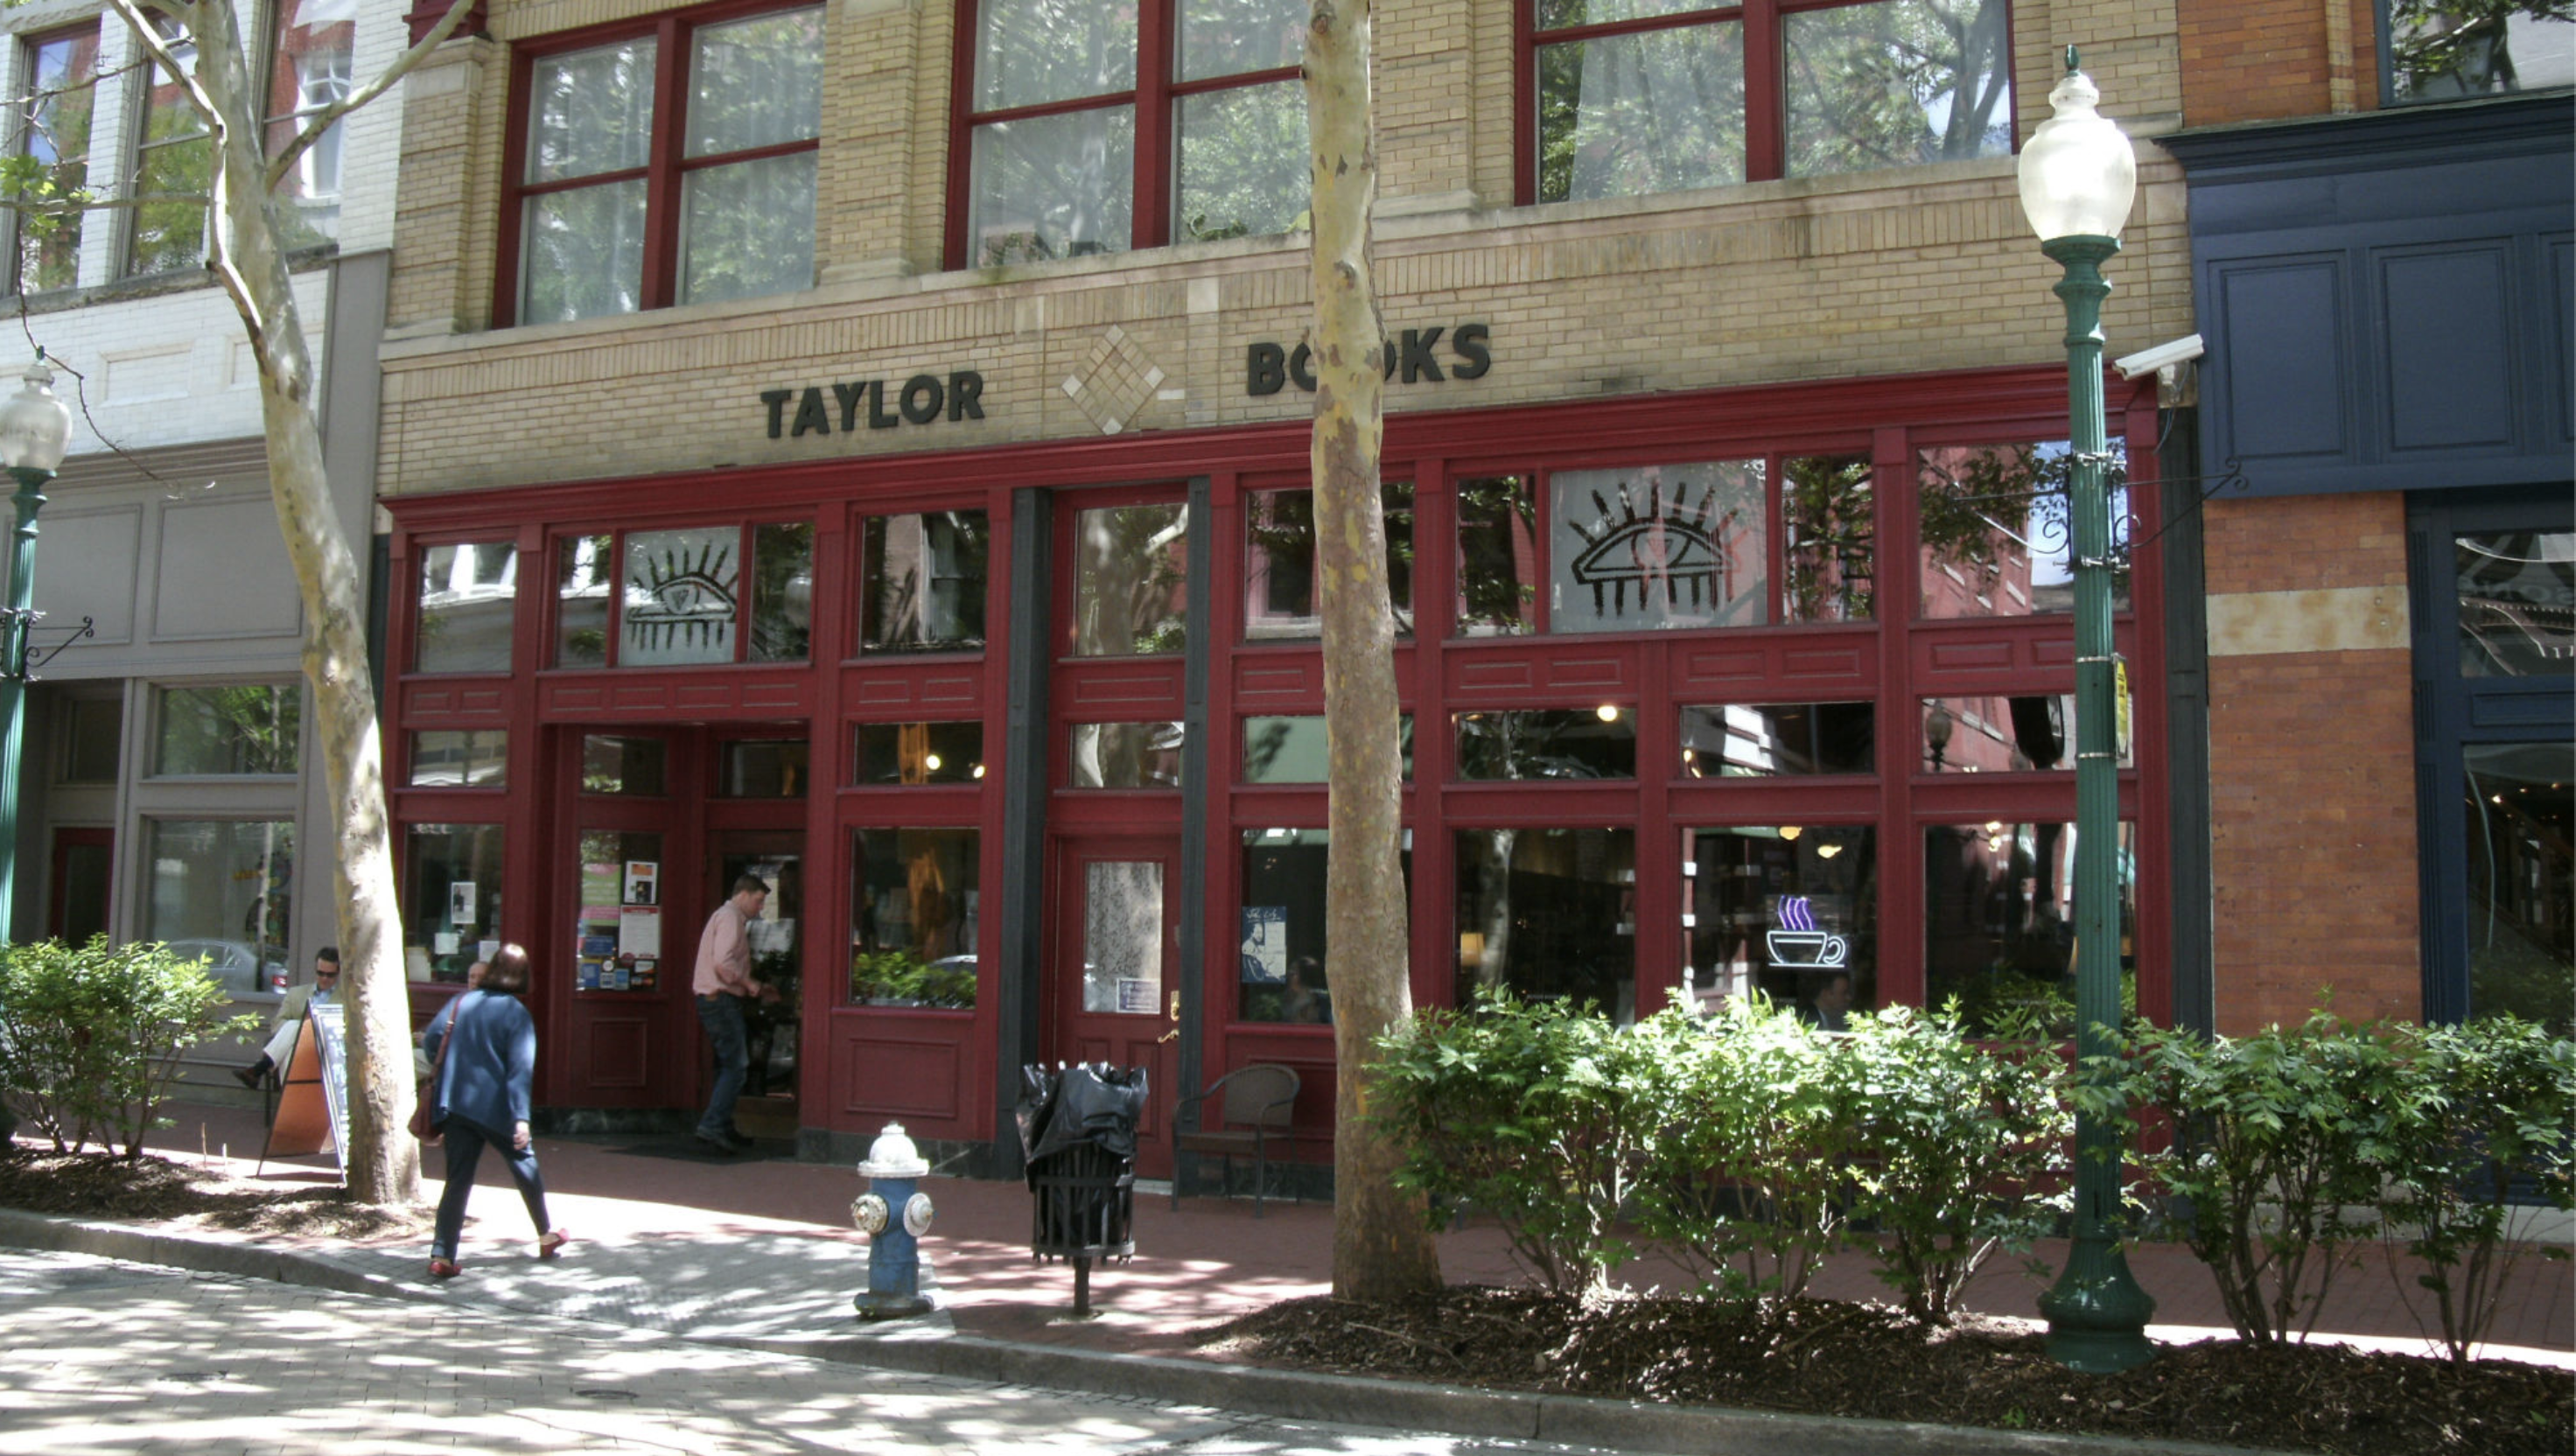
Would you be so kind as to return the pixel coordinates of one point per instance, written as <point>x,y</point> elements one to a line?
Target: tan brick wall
<point>2312,773</point>
<point>1784,281</point>
<point>2263,60</point>
<point>448,208</point>
<point>1897,272</point>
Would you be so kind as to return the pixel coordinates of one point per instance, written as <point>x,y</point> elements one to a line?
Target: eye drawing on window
<point>681,596</point>
<point>1676,547</point>
<point>1661,546</point>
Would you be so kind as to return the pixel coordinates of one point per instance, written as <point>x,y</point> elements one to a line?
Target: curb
<point>1621,1425</point>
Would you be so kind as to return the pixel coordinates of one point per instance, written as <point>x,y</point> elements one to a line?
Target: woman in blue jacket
<point>481,1097</point>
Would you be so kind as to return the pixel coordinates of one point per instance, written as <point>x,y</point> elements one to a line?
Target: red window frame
<point>1155,99</point>
<point>1765,113</point>
<point>665,165</point>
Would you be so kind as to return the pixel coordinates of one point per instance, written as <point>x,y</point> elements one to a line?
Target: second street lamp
<point>35,428</point>
<point>2078,177</point>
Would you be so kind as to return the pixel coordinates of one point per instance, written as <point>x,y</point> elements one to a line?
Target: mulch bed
<point>94,1185</point>
<point>1816,1356</point>
<point>1831,1358</point>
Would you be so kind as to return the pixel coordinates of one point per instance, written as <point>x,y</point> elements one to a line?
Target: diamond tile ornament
<point>1115,381</point>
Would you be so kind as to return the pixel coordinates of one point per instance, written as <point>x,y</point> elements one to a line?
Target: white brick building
<point>167,789</point>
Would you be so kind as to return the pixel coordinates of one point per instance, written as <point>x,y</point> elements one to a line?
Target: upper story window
<point>2442,50</point>
<point>173,170</point>
<point>1095,126</point>
<point>610,212</point>
<point>1636,96</point>
<point>310,48</point>
<point>62,83</point>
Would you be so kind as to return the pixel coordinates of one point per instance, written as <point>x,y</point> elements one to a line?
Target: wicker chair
<point>1255,1107</point>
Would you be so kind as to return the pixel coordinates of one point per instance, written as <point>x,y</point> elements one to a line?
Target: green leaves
<point>1740,1149</point>
<point>90,1037</point>
<point>2290,1147</point>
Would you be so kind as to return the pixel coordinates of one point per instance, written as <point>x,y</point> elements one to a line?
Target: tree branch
<point>218,132</point>
<point>323,120</point>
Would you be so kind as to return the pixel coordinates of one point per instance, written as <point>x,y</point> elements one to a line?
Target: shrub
<point>2482,1109</point>
<point>1744,1185</point>
<point>2276,1146</point>
<point>1960,1148</point>
<point>90,1037</point>
<point>1539,1114</point>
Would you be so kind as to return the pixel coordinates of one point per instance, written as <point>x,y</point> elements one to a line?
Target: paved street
<point>99,1356</point>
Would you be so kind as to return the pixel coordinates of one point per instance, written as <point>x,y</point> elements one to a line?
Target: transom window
<point>1625,97</point>
<point>1709,543</point>
<point>611,212</point>
<point>1095,126</point>
<point>683,597</point>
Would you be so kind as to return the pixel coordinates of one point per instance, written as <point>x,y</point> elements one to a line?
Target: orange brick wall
<point>2312,775</point>
<point>2262,60</point>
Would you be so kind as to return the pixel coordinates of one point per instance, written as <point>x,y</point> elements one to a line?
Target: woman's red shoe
<point>442,1269</point>
<point>552,1244</point>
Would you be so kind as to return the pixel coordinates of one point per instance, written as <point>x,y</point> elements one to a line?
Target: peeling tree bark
<point>1382,1244</point>
<point>244,256</point>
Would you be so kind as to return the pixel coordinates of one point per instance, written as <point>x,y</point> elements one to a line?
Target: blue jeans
<point>464,1143</point>
<point>721,1015</point>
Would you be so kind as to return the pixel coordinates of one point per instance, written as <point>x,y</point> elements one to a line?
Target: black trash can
<point>1078,1133</point>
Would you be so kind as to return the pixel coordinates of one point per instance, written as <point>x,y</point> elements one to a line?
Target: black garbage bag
<point>1092,1104</point>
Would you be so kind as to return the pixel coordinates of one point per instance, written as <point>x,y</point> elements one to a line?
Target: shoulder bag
<point>422,1128</point>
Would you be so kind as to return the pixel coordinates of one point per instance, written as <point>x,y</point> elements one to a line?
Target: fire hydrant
<point>893,1169</point>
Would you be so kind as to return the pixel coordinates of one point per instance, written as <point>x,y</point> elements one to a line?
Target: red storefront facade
<point>1762,749</point>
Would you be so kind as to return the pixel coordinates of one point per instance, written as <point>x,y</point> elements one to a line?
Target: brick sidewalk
<point>742,1234</point>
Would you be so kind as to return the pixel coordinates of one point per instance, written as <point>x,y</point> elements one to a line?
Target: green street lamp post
<point>2078,178</point>
<point>35,428</point>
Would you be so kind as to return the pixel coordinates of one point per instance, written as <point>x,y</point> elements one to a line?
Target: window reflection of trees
<point>922,582</point>
<point>1829,546</point>
<point>1547,743</point>
<point>1127,755</point>
<point>1999,920</point>
<point>1994,532</point>
<point>1896,84</point>
<point>1131,566</point>
<point>1497,555</point>
<point>1279,528</point>
<point>1548,913</point>
<point>2442,49</point>
<point>245,728</point>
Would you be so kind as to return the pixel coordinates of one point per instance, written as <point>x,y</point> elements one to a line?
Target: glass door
<point>1114,972</point>
<point>775,1028</point>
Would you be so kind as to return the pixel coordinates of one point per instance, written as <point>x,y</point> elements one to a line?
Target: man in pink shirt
<point>722,982</point>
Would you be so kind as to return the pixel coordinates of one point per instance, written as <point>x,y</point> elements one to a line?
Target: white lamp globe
<point>35,427</point>
<point>2078,173</point>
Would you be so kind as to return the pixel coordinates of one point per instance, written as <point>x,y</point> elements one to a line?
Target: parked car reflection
<point>240,968</point>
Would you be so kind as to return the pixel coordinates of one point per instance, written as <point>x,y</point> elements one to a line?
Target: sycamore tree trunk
<point>1381,1242</point>
<point>243,254</point>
